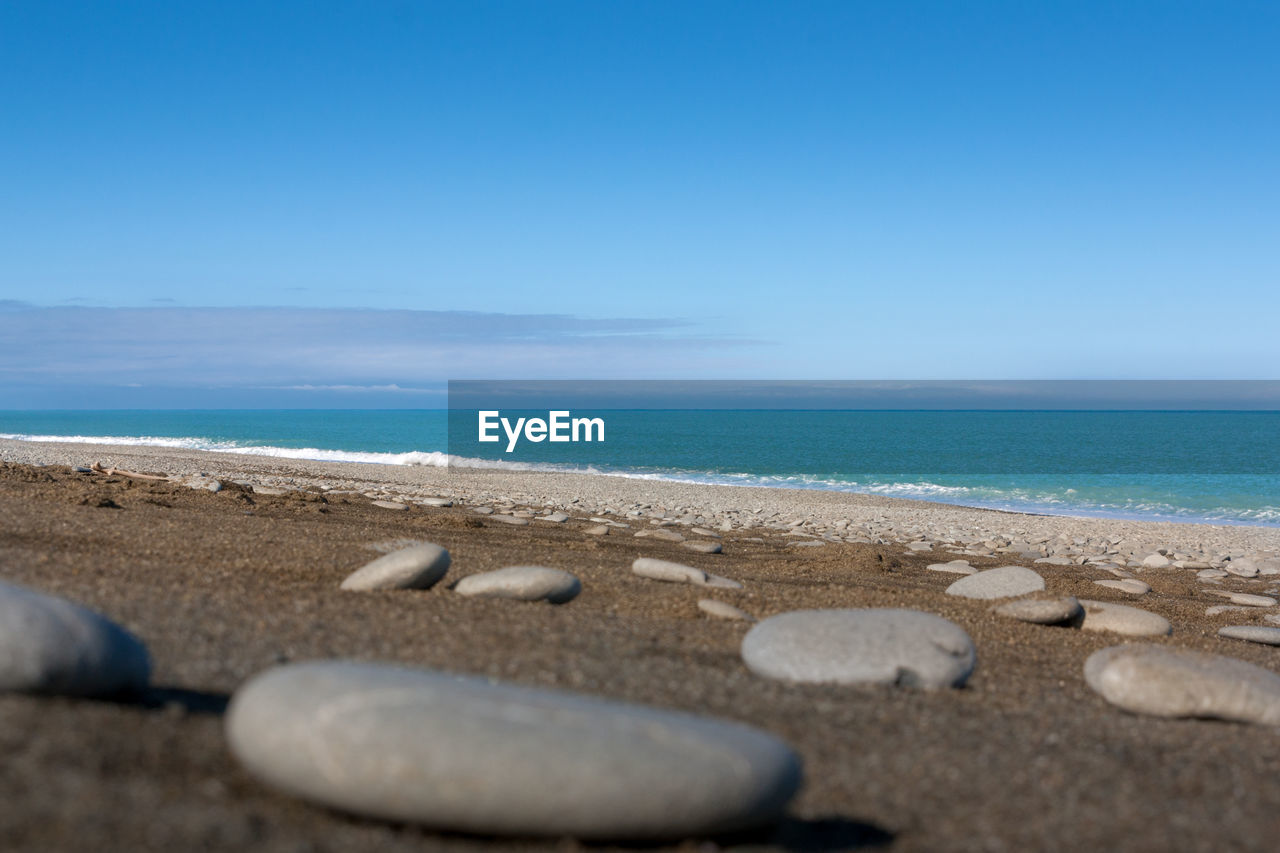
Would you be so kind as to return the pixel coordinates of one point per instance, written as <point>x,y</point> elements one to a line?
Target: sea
<point>1220,467</point>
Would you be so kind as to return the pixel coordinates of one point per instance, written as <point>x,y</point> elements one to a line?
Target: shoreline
<point>827,514</point>
<point>224,585</point>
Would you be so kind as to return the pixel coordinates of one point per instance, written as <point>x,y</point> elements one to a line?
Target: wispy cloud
<point>332,349</point>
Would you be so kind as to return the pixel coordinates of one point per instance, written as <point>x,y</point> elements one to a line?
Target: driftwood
<point>98,469</point>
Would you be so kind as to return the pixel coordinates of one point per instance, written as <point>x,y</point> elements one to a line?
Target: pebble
<point>1004,582</point>
<point>269,491</point>
<point>1042,611</point>
<point>665,570</point>
<point>660,533</point>
<point>1056,561</point>
<point>557,517</point>
<point>1224,608</point>
<point>1209,574</point>
<point>919,546</point>
<point>418,567</point>
<point>1247,599</point>
<point>703,547</point>
<point>1129,585</point>
<point>1252,633</point>
<point>464,754</point>
<point>440,502</point>
<point>808,543</point>
<point>525,583</point>
<point>1123,619</point>
<point>391,504</point>
<point>722,610</point>
<point>483,510</point>
<point>1155,561</point>
<point>702,531</point>
<point>957,567</point>
<point>50,645</point>
<point>901,647</point>
<point>597,530</point>
<point>508,519</point>
<point>1168,682</point>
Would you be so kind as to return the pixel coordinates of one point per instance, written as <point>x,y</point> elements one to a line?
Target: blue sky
<point>623,189</point>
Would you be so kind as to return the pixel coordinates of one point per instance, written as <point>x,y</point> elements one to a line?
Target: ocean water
<point>1221,467</point>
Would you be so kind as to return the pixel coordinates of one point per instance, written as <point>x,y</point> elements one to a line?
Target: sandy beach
<point>223,584</point>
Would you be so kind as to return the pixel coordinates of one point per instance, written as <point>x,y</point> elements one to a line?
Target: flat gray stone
<point>1252,633</point>
<point>597,530</point>
<point>660,533</point>
<point>1056,561</point>
<point>270,491</point>
<point>440,502</point>
<point>1042,611</point>
<point>391,505</point>
<point>956,567</point>
<point>1168,682</point>
<point>902,647</point>
<point>665,570</point>
<point>1155,561</point>
<point>556,517</point>
<point>1004,582</point>
<point>419,567</point>
<point>1123,619</point>
<point>1133,586</point>
<point>525,583</point>
<point>508,519</point>
<point>919,546</point>
<point>1245,598</point>
<point>702,547</point>
<point>723,610</point>
<point>464,754</point>
<point>720,583</point>
<point>50,645</point>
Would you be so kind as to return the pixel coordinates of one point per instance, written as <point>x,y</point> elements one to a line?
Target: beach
<point>224,584</point>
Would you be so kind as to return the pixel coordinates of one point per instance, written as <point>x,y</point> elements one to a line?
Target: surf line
<point>559,425</point>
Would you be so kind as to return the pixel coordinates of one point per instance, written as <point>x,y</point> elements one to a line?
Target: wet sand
<point>223,585</point>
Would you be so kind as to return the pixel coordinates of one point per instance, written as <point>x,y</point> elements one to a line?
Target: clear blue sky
<point>678,189</point>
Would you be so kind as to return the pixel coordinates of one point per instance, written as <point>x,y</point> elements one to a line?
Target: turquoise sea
<point>1222,467</point>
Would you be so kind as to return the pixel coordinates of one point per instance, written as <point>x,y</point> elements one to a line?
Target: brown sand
<point>221,586</point>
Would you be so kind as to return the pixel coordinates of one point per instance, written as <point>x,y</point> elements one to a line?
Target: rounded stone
<point>1133,586</point>
<point>878,646</point>
<point>1168,682</point>
<point>50,645</point>
<point>702,547</point>
<point>1042,611</point>
<point>418,567</point>
<point>509,519</point>
<point>525,583</point>
<point>1246,598</point>
<point>723,610</point>
<point>1123,619</point>
<point>1004,582</point>
<point>391,505</point>
<point>666,570</point>
<point>955,567</point>
<point>465,754</point>
<point>1252,633</point>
